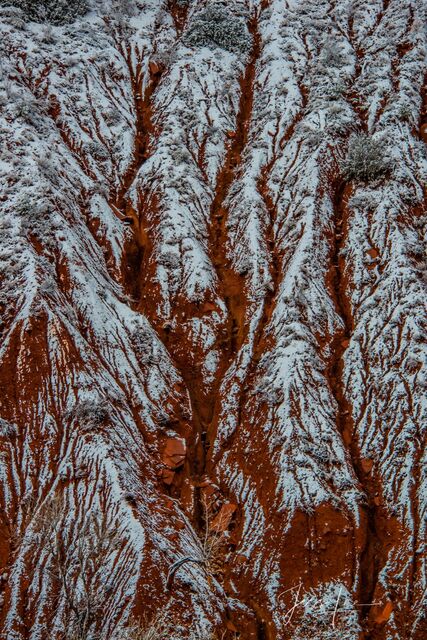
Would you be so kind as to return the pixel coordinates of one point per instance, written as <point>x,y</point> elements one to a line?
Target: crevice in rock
<point>231,286</point>
<point>231,283</point>
<point>178,11</point>
<point>205,406</point>
<point>261,631</point>
<point>423,112</point>
<point>119,199</point>
<point>261,340</point>
<point>143,126</point>
<point>375,522</point>
<point>206,409</point>
<point>275,262</point>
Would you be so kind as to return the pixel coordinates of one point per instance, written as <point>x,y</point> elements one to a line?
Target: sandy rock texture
<point>212,320</point>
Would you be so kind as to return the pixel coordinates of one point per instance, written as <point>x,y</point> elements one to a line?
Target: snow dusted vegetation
<point>212,295</point>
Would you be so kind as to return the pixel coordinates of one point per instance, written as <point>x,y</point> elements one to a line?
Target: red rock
<point>240,558</point>
<point>187,496</point>
<point>174,452</point>
<point>154,68</point>
<point>209,490</point>
<point>208,306</point>
<point>373,253</point>
<point>367,464</point>
<point>222,520</point>
<point>385,614</point>
<point>347,436</point>
<point>168,476</point>
<point>204,482</point>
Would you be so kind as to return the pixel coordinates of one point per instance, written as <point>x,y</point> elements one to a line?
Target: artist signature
<point>316,603</point>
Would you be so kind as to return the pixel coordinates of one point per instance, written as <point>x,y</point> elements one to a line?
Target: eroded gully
<point>376,524</point>
<point>205,408</point>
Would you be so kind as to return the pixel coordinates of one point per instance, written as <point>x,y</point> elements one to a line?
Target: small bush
<point>55,12</point>
<point>217,27</point>
<point>366,159</point>
<point>7,429</point>
<point>78,557</point>
<point>89,413</point>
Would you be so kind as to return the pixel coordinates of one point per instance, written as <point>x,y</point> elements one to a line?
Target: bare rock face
<point>212,260</point>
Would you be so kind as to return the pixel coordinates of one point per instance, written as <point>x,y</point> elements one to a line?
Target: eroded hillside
<point>212,284</point>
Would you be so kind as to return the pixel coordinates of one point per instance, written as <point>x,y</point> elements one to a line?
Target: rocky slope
<point>212,418</point>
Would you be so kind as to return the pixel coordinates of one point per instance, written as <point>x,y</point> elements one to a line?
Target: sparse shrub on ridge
<point>366,159</point>
<point>7,429</point>
<point>89,412</point>
<point>77,557</point>
<point>215,26</point>
<point>55,12</point>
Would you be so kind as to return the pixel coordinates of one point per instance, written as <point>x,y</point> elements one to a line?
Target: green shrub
<point>214,27</point>
<point>55,12</point>
<point>366,158</point>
